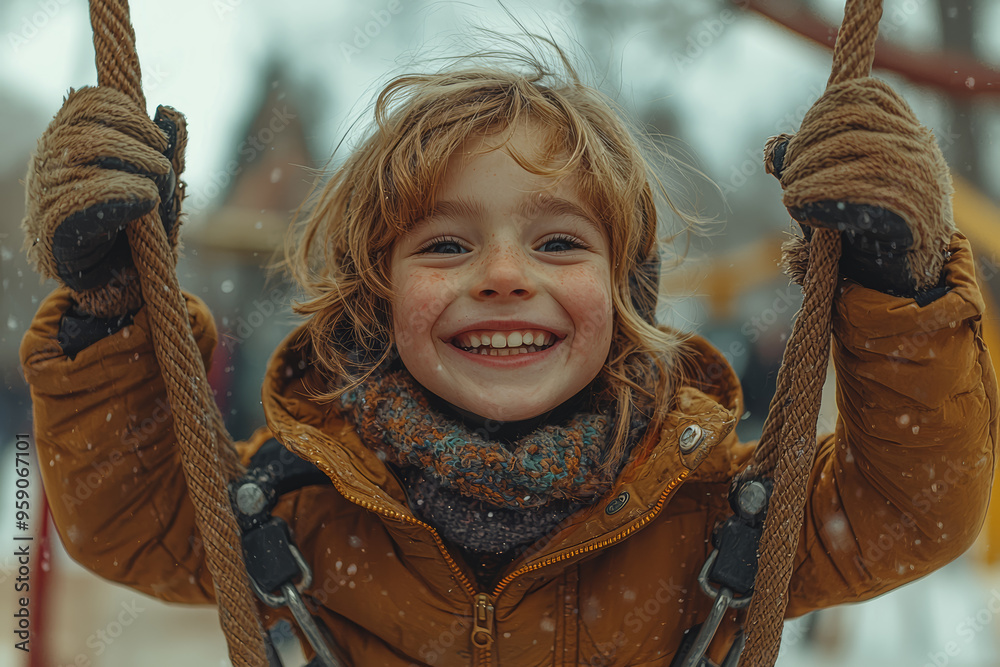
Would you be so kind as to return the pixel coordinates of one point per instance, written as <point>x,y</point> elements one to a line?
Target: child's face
<point>506,257</point>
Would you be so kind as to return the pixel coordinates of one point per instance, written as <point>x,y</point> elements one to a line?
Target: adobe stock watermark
<point>153,77</point>
<point>702,35</point>
<point>31,24</point>
<point>741,172</point>
<point>364,34</point>
<point>102,638</point>
<point>787,299</point>
<point>565,9</point>
<point>249,150</point>
<point>634,620</point>
<point>986,267</point>
<point>898,14</point>
<point>433,650</point>
<point>223,7</point>
<point>104,469</point>
<point>260,312</point>
<point>784,305</point>
<point>923,501</point>
<point>965,632</point>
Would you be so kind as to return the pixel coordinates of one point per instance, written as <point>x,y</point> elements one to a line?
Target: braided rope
<point>787,447</point>
<point>788,443</point>
<point>114,46</point>
<point>208,456</point>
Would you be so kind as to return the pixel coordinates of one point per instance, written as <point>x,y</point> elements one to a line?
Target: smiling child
<point>524,467</point>
<point>505,255</point>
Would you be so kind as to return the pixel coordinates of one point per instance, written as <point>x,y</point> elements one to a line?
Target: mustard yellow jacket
<point>899,489</point>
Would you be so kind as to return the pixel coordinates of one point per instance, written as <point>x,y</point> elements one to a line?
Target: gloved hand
<point>862,164</point>
<point>100,164</point>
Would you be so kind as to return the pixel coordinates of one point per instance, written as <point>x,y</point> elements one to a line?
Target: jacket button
<point>690,438</point>
<point>617,504</point>
<point>250,499</point>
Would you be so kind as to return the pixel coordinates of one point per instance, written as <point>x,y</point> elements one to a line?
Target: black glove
<point>99,165</point>
<point>90,246</point>
<point>884,181</point>
<point>874,243</point>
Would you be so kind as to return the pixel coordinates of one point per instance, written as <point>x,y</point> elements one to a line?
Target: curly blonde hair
<point>339,252</point>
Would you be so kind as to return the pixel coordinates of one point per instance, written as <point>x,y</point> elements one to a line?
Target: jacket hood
<point>706,406</point>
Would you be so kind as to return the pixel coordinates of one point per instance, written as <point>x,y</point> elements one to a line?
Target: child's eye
<point>562,243</point>
<point>442,245</point>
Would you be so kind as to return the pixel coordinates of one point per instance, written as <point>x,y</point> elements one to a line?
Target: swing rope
<point>786,450</point>
<point>787,447</point>
<point>207,453</point>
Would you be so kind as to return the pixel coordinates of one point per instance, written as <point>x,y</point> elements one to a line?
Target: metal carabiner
<point>291,598</point>
<point>724,600</point>
<point>710,591</point>
<point>708,629</point>
<point>277,601</point>
<point>254,496</point>
<point>312,631</point>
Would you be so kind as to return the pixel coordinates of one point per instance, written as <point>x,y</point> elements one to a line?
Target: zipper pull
<point>482,621</point>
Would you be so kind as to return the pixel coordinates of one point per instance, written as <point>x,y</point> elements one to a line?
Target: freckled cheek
<point>594,325</point>
<point>418,306</point>
<point>589,298</point>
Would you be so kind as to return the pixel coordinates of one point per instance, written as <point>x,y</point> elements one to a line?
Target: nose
<point>505,273</point>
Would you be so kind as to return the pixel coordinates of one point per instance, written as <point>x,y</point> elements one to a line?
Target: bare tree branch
<point>952,74</point>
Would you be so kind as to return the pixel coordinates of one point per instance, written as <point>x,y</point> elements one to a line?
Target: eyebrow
<point>539,203</point>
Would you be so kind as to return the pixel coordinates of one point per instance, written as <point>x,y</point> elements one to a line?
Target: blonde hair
<point>339,253</point>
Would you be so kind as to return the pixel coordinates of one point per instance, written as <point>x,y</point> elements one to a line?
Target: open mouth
<point>504,343</point>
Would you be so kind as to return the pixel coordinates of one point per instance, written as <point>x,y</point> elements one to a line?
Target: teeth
<point>503,352</point>
<point>501,340</point>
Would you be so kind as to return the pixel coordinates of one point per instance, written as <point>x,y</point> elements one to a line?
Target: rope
<point>787,447</point>
<point>786,450</point>
<point>208,456</point>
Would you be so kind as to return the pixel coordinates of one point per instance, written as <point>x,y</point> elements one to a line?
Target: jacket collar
<point>707,404</point>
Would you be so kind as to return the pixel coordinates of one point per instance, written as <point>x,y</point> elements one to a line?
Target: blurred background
<point>271,89</point>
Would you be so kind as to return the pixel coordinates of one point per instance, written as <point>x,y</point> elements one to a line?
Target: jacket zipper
<point>621,535</point>
<point>482,628</point>
<point>482,615</point>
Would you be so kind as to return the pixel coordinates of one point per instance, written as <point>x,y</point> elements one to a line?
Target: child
<point>526,469</point>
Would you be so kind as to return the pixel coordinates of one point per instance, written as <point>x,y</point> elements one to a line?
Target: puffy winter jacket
<point>898,490</point>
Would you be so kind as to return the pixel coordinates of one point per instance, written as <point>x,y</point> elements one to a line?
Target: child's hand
<point>863,164</point>
<point>100,164</point>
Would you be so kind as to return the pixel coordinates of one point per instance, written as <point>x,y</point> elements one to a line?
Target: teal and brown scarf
<point>483,494</point>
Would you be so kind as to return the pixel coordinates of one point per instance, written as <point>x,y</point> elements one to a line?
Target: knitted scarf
<point>481,494</point>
